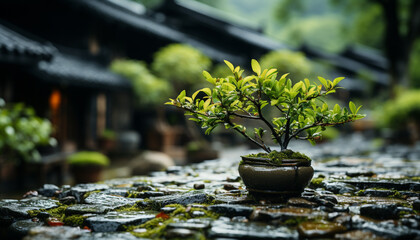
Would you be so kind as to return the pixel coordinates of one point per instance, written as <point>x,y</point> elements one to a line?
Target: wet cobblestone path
<point>358,192</point>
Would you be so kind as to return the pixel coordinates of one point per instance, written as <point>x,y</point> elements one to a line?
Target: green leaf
<point>256,66</point>
<point>323,81</point>
<point>297,86</point>
<point>336,109</point>
<point>352,107</point>
<point>209,78</point>
<point>357,110</point>
<point>271,71</point>
<point>230,65</point>
<point>337,80</point>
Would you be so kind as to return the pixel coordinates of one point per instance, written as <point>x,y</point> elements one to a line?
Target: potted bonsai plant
<point>299,111</point>
<point>87,166</point>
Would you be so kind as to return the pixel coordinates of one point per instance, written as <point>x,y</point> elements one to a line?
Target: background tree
<point>392,25</point>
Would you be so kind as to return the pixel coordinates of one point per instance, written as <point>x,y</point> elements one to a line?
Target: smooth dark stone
<point>109,201</point>
<point>383,211</point>
<point>358,173</point>
<point>21,228</point>
<point>231,210</point>
<point>416,205</point>
<point>301,202</point>
<point>387,229</point>
<point>112,221</point>
<point>108,236</point>
<point>199,186</point>
<point>388,184</point>
<point>319,229</point>
<point>168,209</point>
<point>48,190</point>
<point>54,233</point>
<point>180,233</point>
<point>19,209</point>
<point>339,187</point>
<point>79,190</point>
<point>229,186</point>
<point>183,199</point>
<point>68,200</point>
<point>80,209</point>
<point>194,224</point>
<point>282,214</point>
<point>378,193</point>
<point>252,230</point>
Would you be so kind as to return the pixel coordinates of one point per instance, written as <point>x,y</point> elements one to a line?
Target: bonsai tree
<point>301,112</point>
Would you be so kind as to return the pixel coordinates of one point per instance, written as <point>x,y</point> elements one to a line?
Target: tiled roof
<point>15,47</point>
<point>75,71</point>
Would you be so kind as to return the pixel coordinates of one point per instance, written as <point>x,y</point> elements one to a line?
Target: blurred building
<point>54,55</point>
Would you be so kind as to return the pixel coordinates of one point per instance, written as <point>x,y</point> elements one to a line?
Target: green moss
<point>317,182</point>
<point>57,212</point>
<point>295,221</point>
<point>360,193</point>
<point>88,193</point>
<point>155,227</point>
<point>88,158</point>
<point>74,220</point>
<point>277,157</point>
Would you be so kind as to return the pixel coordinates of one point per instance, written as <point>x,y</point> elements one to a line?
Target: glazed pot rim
<point>285,162</point>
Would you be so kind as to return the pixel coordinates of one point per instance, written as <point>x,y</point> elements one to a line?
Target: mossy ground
<point>155,228</point>
<point>276,157</point>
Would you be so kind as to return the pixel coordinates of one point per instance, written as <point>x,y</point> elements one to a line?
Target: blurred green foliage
<point>88,158</point>
<point>149,90</point>
<point>286,61</point>
<point>397,113</point>
<point>180,64</point>
<point>22,131</point>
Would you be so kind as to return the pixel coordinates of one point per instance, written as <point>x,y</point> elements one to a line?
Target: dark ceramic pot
<point>263,178</point>
<point>87,173</point>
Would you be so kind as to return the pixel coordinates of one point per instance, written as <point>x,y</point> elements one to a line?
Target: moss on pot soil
<point>276,157</point>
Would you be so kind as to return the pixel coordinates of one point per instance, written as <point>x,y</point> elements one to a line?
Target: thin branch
<point>273,131</point>
<point>261,145</point>
<point>243,116</point>
<point>316,125</point>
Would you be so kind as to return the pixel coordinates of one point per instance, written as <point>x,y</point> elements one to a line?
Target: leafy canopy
<point>301,113</point>
<point>22,131</point>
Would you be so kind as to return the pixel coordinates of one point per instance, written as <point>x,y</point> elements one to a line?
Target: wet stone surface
<point>358,192</point>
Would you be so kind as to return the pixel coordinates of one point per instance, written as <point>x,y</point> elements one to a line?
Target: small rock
<point>229,186</point>
<point>112,221</point>
<point>52,233</point>
<point>68,200</point>
<point>231,210</point>
<point>21,228</point>
<point>30,194</point>
<point>150,161</point>
<point>48,190</point>
<point>199,186</point>
<point>382,211</point>
<point>301,202</point>
<point>319,229</point>
<point>416,205</point>
<point>183,199</point>
<point>251,230</point>
<point>197,214</point>
<point>168,209</point>
<point>180,233</point>
<point>358,235</point>
<point>80,209</point>
<point>358,173</point>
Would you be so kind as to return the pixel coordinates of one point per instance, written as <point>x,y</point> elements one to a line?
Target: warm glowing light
<point>55,100</point>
